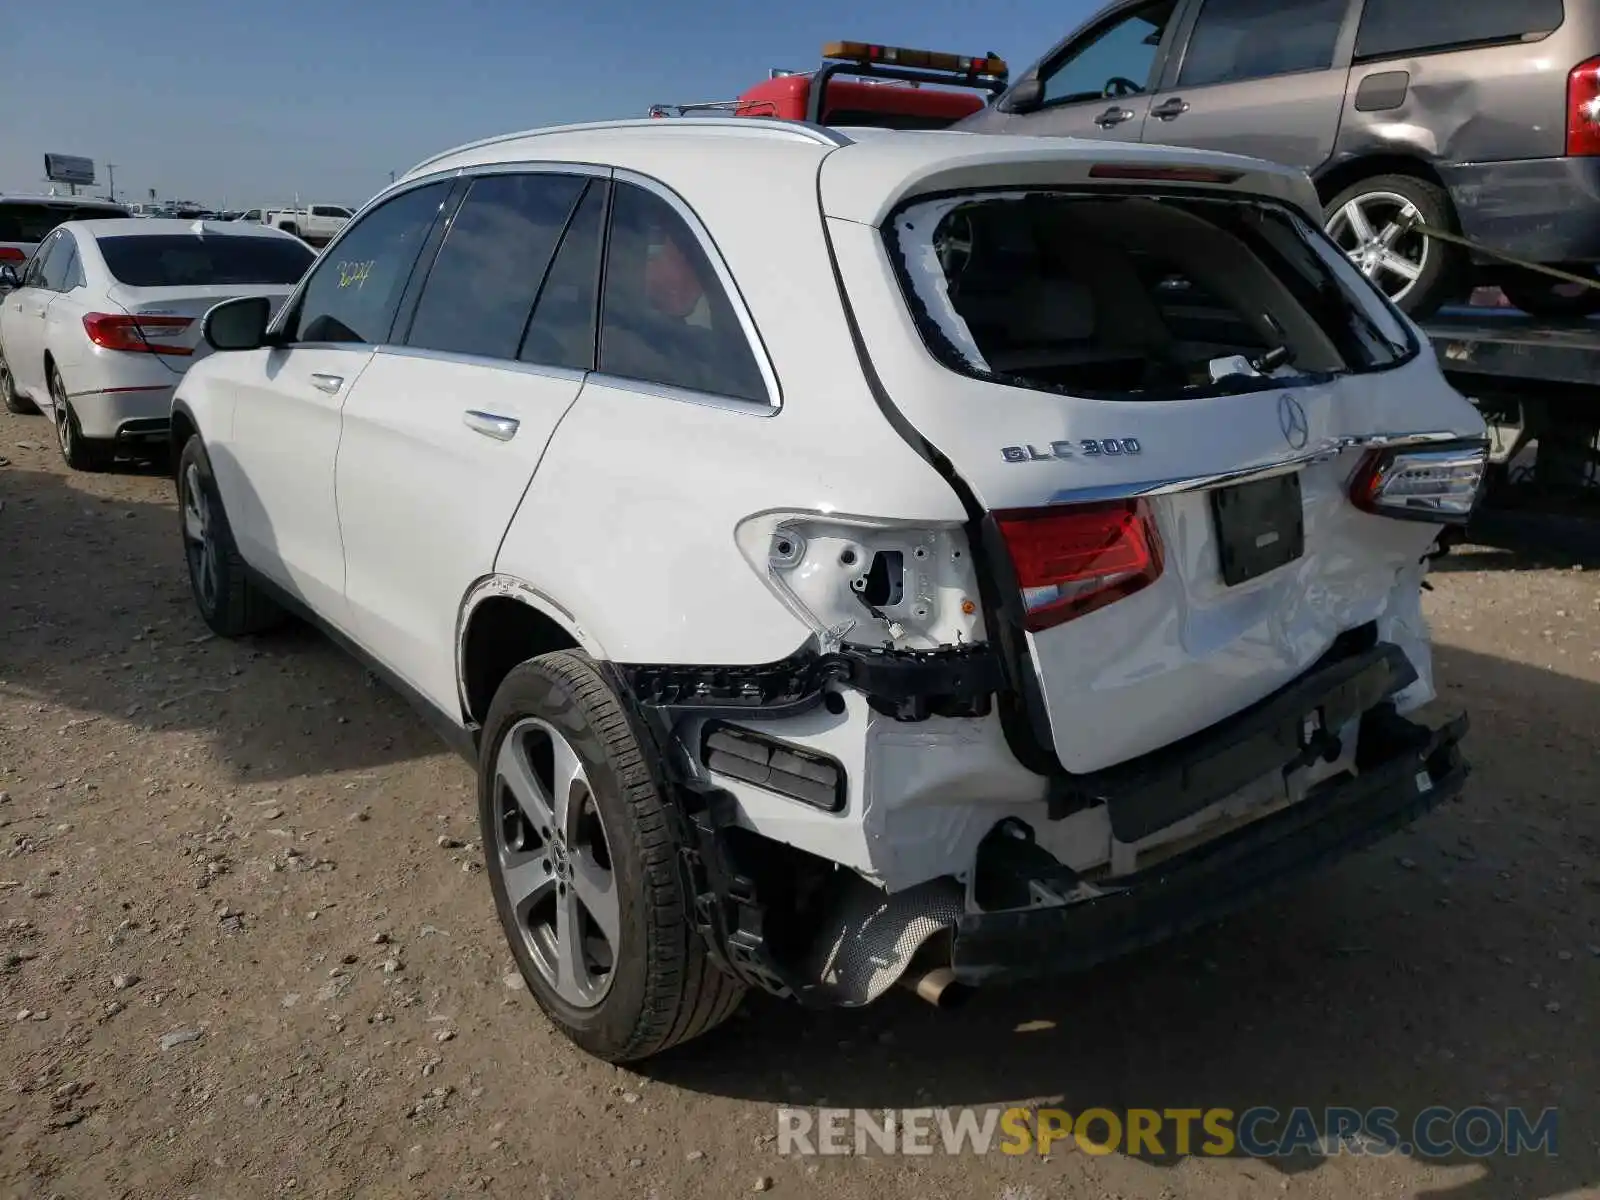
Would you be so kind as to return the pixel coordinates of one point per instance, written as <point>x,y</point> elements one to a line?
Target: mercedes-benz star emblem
<point>1292,420</point>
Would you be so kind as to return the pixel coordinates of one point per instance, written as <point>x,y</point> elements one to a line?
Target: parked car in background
<point>1122,624</point>
<point>317,224</point>
<point>106,319</point>
<point>1481,117</point>
<point>26,220</point>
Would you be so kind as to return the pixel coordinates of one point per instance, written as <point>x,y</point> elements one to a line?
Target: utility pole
<point>111,170</point>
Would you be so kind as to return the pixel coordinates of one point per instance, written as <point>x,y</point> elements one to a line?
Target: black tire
<point>1544,296</point>
<point>663,988</point>
<point>231,605</point>
<point>1444,266</point>
<point>14,400</point>
<point>78,452</point>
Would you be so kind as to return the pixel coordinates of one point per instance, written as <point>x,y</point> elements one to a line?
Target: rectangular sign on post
<point>67,168</point>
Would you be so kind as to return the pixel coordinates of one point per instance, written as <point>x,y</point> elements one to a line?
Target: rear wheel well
<point>502,632</point>
<point>1335,181</point>
<point>182,430</point>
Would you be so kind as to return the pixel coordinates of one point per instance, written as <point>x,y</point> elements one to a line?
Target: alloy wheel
<point>555,860</point>
<point>1371,229</point>
<point>198,542</point>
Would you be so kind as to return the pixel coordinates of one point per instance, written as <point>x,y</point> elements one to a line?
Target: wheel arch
<point>184,426</point>
<point>503,621</point>
<point>1333,180</point>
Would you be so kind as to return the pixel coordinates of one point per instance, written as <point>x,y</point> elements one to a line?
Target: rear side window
<point>1395,27</point>
<point>481,288</point>
<point>200,260</point>
<point>21,221</point>
<point>562,330</point>
<point>1236,40</point>
<point>355,288</point>
<point>1135,297</point>
<point>666,318</point>
<point>328,210</point>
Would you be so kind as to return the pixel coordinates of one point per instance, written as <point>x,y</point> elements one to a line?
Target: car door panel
<point>442,435</point>
<point>1262,80</point>
<point>275,462</point>
<point>435,456</point>
<point>27,309</point>
<point>1096,83</point>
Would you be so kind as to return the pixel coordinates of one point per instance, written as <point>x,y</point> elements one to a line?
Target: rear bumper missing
<point>1342,815</point>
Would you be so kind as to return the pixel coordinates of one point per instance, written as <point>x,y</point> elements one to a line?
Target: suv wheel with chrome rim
<point>1368,220</point>
<point>229,600</point>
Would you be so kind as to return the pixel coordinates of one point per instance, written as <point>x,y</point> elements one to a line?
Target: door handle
<point>1113,116</point>
<point>501,429</point>
<point>1170,109</point>
<point>327,383</point>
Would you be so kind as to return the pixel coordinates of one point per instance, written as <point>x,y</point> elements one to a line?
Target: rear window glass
<point>197,260</point>
<point>1136,297</point>
<point>24,222</point>
<point>1394,27</point>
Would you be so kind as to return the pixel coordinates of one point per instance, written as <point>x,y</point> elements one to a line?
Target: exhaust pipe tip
<point>939,987</point>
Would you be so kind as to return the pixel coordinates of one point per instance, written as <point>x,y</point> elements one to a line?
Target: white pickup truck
<point>316,223</point>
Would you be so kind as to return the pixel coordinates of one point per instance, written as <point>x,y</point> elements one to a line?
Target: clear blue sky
<point>247,102</point>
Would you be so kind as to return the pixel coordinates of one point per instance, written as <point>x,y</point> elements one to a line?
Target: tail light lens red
<point>1073,560</point>
<point>1440,484</point>
<point>10,254</point>
<point>137,334</point>
<point>1583,108</point>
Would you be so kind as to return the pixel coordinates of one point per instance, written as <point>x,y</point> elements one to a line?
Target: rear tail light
<point>1072,560</point>
<point>10,254</point>
<point>1583,108</point>
<point>138,335</point>
<point>1440,484</point>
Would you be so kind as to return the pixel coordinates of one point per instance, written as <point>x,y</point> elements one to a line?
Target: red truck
<point>861,83</point>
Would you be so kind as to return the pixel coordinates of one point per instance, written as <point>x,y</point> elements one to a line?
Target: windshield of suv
<point>201,260</point>
<point>21,221</point>
<point>1137,297</point>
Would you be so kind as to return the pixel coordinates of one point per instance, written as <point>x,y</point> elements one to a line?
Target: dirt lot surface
<point>249,949</point>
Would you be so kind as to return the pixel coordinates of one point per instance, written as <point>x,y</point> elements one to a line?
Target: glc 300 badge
<point>1084,448</point>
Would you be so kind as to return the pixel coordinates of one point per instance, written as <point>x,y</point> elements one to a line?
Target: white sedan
<point>105,319</point>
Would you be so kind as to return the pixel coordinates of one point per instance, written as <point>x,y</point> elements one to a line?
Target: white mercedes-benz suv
<point>851,557</point>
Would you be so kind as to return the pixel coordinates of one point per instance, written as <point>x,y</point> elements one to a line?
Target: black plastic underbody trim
<point>910,685</point>
<point>1339,817</point>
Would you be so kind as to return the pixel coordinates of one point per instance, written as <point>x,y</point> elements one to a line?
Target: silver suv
<point>1479,116</point>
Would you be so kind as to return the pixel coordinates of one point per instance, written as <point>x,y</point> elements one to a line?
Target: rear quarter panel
<point>629,524</point>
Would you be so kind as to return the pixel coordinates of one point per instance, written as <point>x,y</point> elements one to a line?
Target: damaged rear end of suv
<point>1174,655</point>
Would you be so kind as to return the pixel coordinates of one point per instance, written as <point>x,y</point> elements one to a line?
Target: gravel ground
<point>249,949</point>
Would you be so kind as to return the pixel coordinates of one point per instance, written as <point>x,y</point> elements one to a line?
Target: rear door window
<point>666,318</point>
<point>53,261</point>
<point>481,288</point>
<point>1135,297</point>
<point>1390,28</point>
<point>1236,40</point>
<point>202,260</point>
<point>562,330</point>
<point>355,288</point>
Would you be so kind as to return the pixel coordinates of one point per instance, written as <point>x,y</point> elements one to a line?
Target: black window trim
<point>1343,49</point>
<point>1182,14</point>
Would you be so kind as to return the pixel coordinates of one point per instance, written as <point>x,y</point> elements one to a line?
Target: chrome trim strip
<point>749,408</point>
<point>1325,451</point>
<point>541,370</point>
<point>714,256</point>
